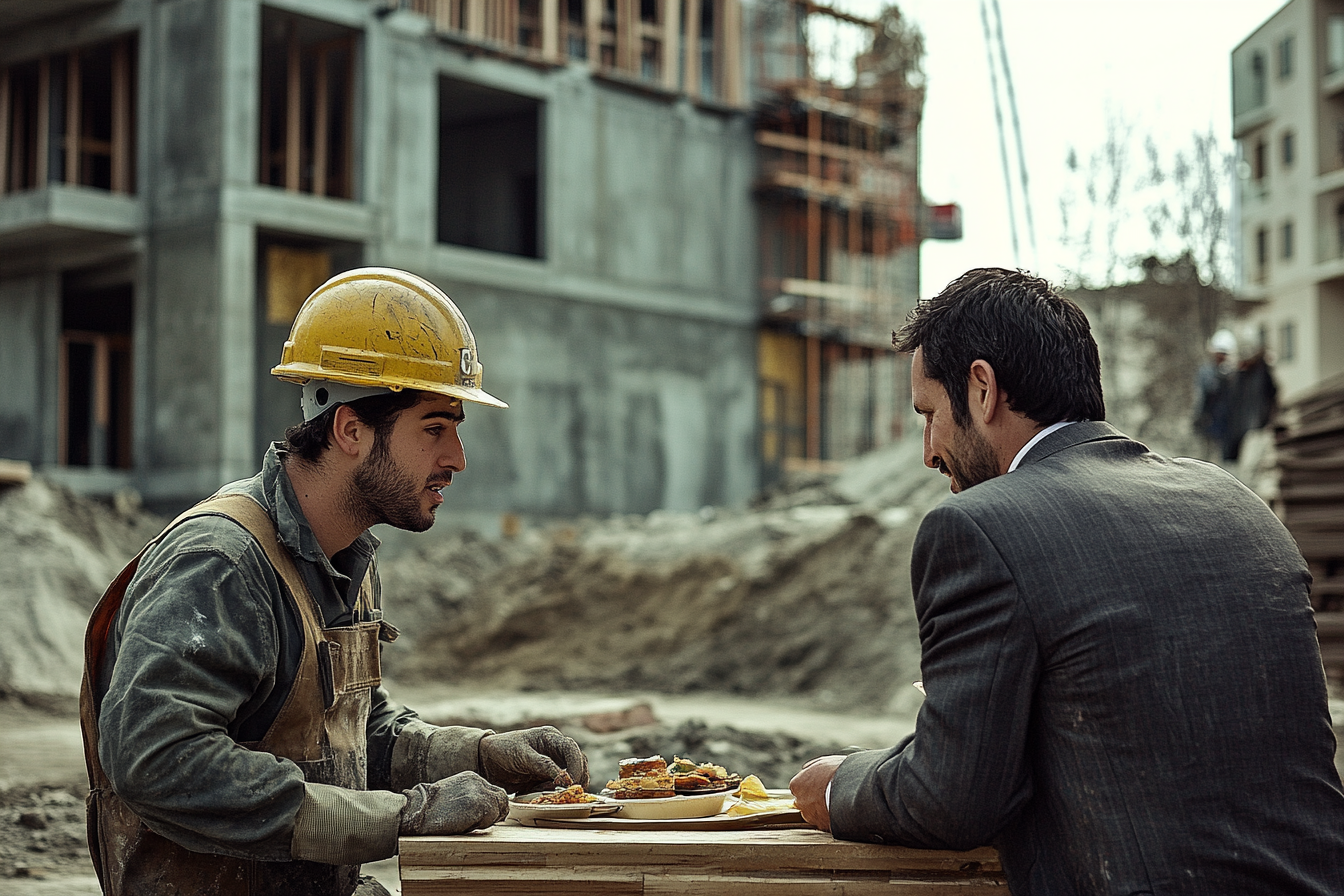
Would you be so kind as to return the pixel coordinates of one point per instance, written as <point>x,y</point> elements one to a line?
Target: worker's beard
<point>380,491</point>
<point>974,460</point>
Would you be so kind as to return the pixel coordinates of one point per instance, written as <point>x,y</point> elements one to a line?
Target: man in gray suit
<point>1124,688</point>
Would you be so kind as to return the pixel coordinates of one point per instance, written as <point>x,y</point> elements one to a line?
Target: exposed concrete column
<point>236,261</point>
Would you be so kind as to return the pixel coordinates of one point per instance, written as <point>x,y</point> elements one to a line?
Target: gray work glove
<point>527,760</point>
<point>454,805</point>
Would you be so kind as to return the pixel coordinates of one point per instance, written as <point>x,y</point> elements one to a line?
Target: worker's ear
<point>983,393</point>
<point>350,435</point>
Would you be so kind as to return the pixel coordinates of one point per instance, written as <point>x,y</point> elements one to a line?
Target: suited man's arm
<point>964,774</point>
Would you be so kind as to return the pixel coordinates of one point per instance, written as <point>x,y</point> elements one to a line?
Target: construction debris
<point>805,595</point>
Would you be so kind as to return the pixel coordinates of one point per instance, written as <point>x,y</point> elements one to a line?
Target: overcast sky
<point>1163,65</point>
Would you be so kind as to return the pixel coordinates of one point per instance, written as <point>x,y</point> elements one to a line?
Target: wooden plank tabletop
<point>798,862</point>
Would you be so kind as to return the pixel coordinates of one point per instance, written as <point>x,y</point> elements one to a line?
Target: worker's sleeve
<point>426,753</point>
<point>964,774</point>
<point>387,720</point>
<point>199,640</point>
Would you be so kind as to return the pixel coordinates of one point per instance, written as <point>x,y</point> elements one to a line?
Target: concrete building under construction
<point>682,246</point>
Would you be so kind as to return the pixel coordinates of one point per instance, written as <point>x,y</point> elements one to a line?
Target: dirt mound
<point>808,594</point>
<point>61,551</point>
<point>42,830</point>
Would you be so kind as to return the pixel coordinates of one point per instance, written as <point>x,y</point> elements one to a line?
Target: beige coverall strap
<point>253,517</point>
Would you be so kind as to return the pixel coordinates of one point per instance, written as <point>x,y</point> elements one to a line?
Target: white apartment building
<point>1288,120</point>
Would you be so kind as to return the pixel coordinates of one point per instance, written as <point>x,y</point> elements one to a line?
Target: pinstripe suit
<point>1125,692</point>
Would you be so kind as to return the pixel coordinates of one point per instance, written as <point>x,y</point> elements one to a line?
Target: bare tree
<point>1115,213</point>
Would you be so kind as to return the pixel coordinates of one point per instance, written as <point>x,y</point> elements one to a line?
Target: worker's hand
<point>533,759</point>
<point>809,790</point>
<point>464,802</point>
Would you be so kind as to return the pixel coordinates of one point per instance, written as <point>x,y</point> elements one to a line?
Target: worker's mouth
<point>436,487</point>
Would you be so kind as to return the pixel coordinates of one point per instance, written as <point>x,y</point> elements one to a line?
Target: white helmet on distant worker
<point>1223,343</point>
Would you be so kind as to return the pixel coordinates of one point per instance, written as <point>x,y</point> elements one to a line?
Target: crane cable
<point>990,41</point>
<point>1017,130</point>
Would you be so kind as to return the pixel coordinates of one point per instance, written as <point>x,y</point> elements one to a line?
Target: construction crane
<point>999,62</point>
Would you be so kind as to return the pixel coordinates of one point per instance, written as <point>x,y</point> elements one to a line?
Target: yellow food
<point>751,798</point>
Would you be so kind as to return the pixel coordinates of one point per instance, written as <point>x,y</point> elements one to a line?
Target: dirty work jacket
<point>1125,692</point>
<point>321,728</point>
<point>201,658</point>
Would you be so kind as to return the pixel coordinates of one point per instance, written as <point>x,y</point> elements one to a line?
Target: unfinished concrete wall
<point>623,333</point>
<point>25,353</point>
<point>609,410</point>
<point>627,349</point>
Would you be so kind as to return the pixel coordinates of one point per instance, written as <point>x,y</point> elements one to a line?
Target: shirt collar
<point>293,526</point>
<point>1036,438</point>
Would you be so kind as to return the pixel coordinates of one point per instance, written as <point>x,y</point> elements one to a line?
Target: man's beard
<point>382,492</point>
<point>974,461</point>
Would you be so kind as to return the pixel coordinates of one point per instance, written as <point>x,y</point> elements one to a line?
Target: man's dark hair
<point>1038,342</point>
<point>309,439</point>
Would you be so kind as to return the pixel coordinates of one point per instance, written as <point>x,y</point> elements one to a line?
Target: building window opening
<point>1289,149</point>
<point>1258,79</point>
<point>307,105</point>
<point>1334,44</point>
<point>1286,57</point>
<point>1287,239</point>
<point>1261,253</point>
<point>489,194</point>
<point>576,40</point>
<point>1339,230</point>
<point>606,41</point>
<point>709,75</point>
<point>95,378</point>
<point>1288,341</point>
<point>70,118</point>
<point>529,24</point>
<point>1261,165</point>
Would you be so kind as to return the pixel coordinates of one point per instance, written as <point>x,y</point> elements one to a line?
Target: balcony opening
<point>489,194</point>
<point>307,105</point>
<point>95,376</point>
<point>70,118</point>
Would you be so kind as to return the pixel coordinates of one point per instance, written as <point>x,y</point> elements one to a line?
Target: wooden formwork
<point>1309,440</point>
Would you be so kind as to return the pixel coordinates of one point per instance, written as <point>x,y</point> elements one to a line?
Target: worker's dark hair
<point>309,439</point>
<point>1038,342</point>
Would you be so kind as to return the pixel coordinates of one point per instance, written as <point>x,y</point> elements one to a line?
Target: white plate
<point>522,810</point>
<point>698,806</point>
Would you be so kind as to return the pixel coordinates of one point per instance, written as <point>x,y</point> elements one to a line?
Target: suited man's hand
<point>809,790</point>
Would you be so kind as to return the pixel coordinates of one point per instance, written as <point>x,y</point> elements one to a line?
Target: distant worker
<point>1212,392</point>
<point>1252,394</point>
<point>238,737</point>
<point>1124,687</point>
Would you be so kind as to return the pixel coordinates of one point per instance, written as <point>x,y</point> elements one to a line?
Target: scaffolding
<point>691,47</point>
<point>838,99</point>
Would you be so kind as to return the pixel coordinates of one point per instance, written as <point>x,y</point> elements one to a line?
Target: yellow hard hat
<point>379,328</point>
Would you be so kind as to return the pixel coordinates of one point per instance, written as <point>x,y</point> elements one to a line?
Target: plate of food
<point>647,788</point>
<point>569,802</point>
<point>691,778</point>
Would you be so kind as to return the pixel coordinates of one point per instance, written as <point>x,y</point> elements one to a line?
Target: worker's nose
<point>930,459</point>
<point>455,457</point>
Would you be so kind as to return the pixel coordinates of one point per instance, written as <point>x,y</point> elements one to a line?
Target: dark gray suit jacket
<point>1125,692</point>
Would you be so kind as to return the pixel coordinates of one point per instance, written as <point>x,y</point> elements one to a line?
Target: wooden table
<point>513,859</point>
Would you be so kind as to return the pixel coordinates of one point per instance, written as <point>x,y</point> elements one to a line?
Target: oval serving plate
<point>699,806</point>
<point>522,810</point>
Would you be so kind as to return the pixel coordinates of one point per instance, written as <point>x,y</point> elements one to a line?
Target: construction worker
<point>237,735</point>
